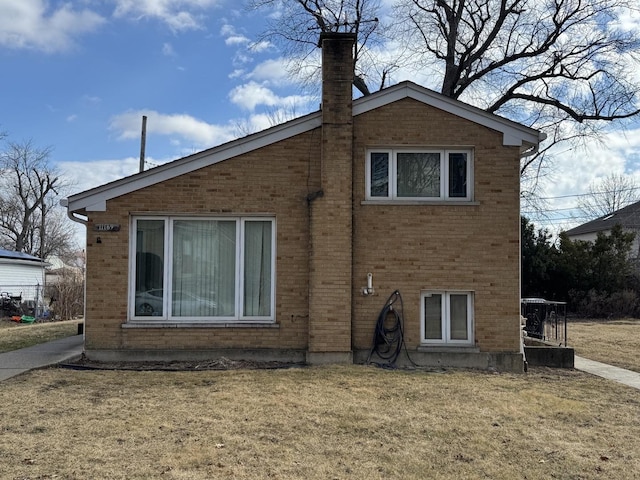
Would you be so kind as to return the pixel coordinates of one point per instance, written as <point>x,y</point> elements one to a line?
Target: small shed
<point>21,274</point>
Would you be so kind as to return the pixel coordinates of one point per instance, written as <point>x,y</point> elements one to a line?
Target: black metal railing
<point>546,320</point>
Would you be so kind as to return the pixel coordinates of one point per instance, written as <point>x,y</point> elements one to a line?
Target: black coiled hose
<point>388,336</point>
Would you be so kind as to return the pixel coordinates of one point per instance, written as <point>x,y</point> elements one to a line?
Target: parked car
<point>183,304</point>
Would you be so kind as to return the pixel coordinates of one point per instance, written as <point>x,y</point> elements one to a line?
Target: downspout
<point>527,153</point>
<point>84,221</point>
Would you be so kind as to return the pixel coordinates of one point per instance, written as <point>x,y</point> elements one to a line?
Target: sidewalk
<point>25,359</point>
<point>627,377</point>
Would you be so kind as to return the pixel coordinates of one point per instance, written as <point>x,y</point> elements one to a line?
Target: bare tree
<point>609,195</point>
<point>298,26</point>
<point>569,56</point>
<point>562,66</point>
<point>66,288</point>
<point>566,67</point>
<point>30,220</point>
<point>272,116</point>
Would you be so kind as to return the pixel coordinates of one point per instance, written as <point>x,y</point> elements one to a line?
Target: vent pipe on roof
<point>143,141</point>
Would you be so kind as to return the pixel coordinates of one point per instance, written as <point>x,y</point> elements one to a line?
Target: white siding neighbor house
<point>21,274</point>
<point>627,217</point>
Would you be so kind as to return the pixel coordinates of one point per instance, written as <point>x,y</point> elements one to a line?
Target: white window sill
<point>448,203</point>
<point>188,324</point>
<point>447,348</point>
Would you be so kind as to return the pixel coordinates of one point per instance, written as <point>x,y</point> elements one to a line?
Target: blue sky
<point>79,75</point>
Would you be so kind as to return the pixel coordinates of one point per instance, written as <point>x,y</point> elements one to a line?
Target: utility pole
<point>143,141</point>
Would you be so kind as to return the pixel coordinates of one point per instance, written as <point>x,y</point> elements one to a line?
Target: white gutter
<point>72,215</point>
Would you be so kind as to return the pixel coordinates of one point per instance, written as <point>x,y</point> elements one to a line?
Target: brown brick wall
<point>406,247</point>
<point>331,215</point>
<point>440,247</point>
<point>274,180</point>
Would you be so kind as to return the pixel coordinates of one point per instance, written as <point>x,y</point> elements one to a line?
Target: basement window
<point>202,269</point>
<point>447,317</point>
<point>423,175</point>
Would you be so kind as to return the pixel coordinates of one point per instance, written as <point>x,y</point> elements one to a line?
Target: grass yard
<point>334,422</point>
<point>17,335</point>
<point>317,423</point>
<point>616,342</point>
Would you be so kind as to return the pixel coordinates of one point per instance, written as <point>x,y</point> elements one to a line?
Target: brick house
<point>263,247</point>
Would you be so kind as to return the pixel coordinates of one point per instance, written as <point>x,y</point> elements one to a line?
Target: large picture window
<point>447,317</point>
<point>419,175</point>
<point>203,269</point>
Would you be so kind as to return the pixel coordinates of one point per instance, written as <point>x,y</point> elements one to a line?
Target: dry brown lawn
<point>326,423</point>
<point>19,335</point>
<point>351,422</point>
<point>616,342</point>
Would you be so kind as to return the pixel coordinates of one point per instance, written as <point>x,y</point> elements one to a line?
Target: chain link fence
<point>62,300</point>
<point>22,300</point>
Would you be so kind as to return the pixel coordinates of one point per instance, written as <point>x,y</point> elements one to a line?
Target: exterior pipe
<point>72,215</point>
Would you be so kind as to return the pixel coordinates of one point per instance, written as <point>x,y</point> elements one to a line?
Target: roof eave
<point>96,199</point>
<point>513,133</point>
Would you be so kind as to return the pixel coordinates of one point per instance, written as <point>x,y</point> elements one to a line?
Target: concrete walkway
<point>20,361</point>
<point>627,377</point>
<point>25,359</point>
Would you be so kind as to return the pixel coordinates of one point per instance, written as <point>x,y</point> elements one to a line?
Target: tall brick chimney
<point>330,275</point>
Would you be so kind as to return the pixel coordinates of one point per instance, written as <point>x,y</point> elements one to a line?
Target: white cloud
<point>245,48</point>
<point>240,58</point>
<point>178,15</point>
<point>227,30</point>
<point>260,47</point>
<point>629,20</point>
<point>32,24</point>
<point>237,73</point>
<point>167,50</point>
<point>236,40</point>
<point>232,37</point>
<point>577,168</point>
<point>273,72</point>
<point>262,121</point>
<point>252,94</point>
<point>91,99</point>
<point>86,175</point>
<point>128,125</point>
<point>574,170</point>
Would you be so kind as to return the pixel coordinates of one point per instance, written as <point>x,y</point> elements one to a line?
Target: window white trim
<point>445,318</point>
<point>167,317</point>
<point>392,168</point>
<point>240,290</point>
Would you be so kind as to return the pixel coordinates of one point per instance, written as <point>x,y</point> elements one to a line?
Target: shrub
<point>598,304</point>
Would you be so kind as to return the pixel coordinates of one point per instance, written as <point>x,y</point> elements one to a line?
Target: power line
<point>603,192</point>
<point>549,210</point>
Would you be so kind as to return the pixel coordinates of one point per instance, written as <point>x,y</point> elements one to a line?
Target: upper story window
<point>202,269</point>
<point>424,175</point>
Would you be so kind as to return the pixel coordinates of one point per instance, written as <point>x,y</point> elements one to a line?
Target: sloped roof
<point>627,217</point>
<point>9,254</point>
<point>514,134</point>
